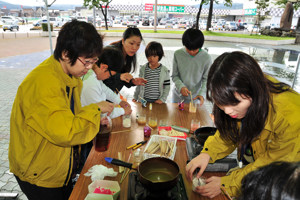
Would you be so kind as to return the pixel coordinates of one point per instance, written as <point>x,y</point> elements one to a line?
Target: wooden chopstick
<point>123,177</point>
<point>225,193</point>
<point>125,173</point>
<point>192,99</point>
<point>142,98</point>
<point>121,131</point>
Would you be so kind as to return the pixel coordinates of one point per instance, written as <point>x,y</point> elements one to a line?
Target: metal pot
<point>156,174</point>
<point>203,133</point>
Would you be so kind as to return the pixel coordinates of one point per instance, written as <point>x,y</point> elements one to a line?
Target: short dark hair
<point>154,49</point>
<point>193,39</point>
<point>78,38</point>
<point>279,180</point>
<point>112,57</point>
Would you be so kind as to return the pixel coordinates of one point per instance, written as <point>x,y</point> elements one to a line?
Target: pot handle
<point>118,162</point>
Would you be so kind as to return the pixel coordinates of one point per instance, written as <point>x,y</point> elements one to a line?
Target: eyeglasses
<point>88,63</point>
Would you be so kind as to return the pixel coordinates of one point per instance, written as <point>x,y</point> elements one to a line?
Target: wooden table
<point>120,140</point>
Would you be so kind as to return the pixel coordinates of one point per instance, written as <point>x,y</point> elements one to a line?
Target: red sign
<point>105,6</point>
<point>149,7</point>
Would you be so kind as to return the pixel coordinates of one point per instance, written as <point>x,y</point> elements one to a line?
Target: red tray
<point>168,128</point>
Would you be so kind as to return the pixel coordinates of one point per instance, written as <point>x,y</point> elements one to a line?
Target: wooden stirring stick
<point>192,99</point>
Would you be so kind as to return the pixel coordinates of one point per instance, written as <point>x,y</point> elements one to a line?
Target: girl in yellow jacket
<point>47,119</point>
<point>254,113</point>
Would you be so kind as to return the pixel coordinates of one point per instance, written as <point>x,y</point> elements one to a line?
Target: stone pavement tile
<point>22,197</point>
<point>1,184</point>
<point>9,186</point>
<point>6,177</point>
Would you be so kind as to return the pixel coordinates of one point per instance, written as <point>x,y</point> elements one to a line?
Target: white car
<point>9,20</point>
<point>253,28</point>
<point>57,22</point>
<point>109,23</point>
<point>131,23</point>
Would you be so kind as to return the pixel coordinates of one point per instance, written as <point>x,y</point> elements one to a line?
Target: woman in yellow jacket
<point>254,113</point>
<point>47,120</point>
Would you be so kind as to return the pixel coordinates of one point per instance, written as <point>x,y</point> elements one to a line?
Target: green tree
<point>282,3</point>
<point>102,4</point>
<point>227,3</point>
<point>261,5</point>
<point>198,14</point>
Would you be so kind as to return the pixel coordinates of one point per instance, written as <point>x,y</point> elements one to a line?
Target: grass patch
<point>253,36</point>
<point>211,33</point>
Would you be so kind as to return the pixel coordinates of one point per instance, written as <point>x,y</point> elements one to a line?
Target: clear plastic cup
<point>126,121</point>
<point>195,124</point>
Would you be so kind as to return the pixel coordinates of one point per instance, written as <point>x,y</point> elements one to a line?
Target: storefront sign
<point>165,8</point>
<point>251,11</point>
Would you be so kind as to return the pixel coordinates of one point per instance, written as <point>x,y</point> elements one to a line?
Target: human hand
<point>126,77</point>
<point>124,104</point>
<point>105,107</point>
<point>201,161</point>
<point>159,101</point>
<point>184,91</point>
<point>139,81</point>
<point>104,121</point>
<point>200,98</point>
<point>133,100</point>
<point>212,188</point>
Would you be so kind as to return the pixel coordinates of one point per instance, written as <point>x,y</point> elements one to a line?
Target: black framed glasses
<point>88,63</point>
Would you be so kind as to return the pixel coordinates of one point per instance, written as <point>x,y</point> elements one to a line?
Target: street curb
<point>12,35</point>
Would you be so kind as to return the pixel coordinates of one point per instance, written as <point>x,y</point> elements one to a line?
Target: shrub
<point>45,27</point>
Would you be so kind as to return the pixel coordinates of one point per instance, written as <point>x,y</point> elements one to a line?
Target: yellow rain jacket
<point>279,141</point>
<point>43,128</point>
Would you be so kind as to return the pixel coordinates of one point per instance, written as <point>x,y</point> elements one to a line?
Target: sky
<point>80,2</point>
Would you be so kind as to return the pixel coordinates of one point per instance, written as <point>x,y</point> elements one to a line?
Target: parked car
<point>39,22</point>
<point>218,26</point>
<point>10,26</point>
<point>163,21</point>
<point>131,23</point>
<point>109,23</point>
<point>21,20</point>
<point>80,18</point>
<point>230,26</point>
<point>253,28</point>
<point>9,20</point>
<point>273,26</point>
<point>182,24</point>
<point>137,19</point>
<point>169,24</point>
<point>146,22</point>
<point>57,22</point>
<point>203,25</point>
<point>118,20</point>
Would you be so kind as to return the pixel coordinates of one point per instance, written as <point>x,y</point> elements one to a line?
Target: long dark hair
<point>130,61</point>
<point>279,180</point>
<point>237,72</point>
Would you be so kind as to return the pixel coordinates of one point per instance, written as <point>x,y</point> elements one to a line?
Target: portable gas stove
<point>193,149</point>
<point>136,191</point>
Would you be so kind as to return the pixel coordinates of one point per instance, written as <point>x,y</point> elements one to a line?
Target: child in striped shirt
<point>157,88</point>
